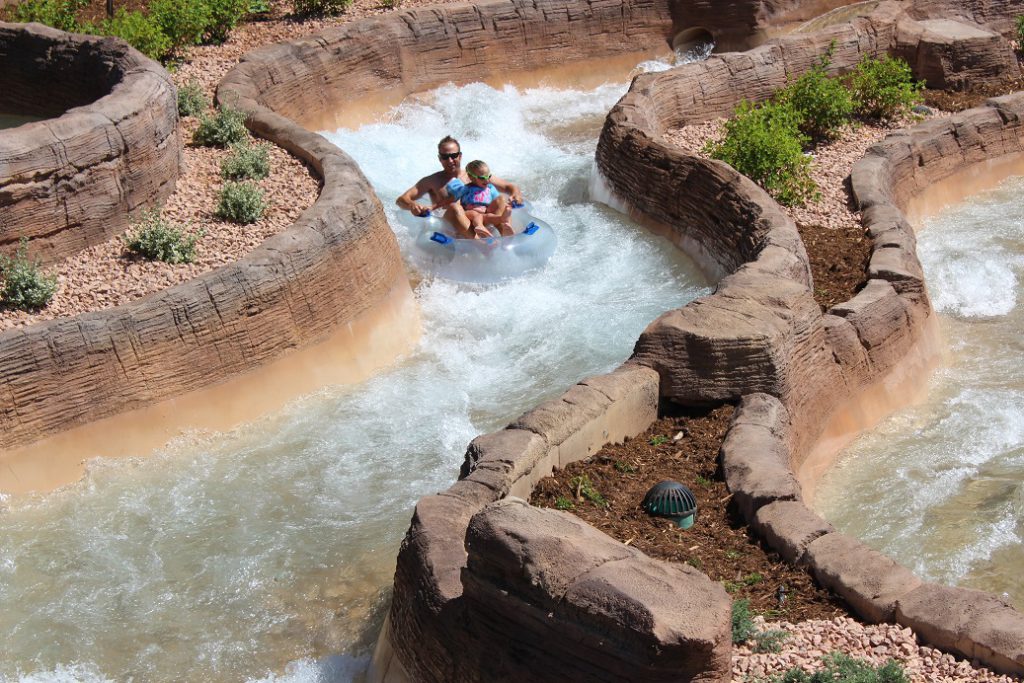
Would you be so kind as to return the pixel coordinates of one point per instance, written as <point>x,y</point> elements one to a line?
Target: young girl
<point>481,204</point>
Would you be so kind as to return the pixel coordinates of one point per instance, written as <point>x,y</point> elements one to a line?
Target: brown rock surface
<point>110,148</point>
<point>566,601</point>
<point>954,55</point>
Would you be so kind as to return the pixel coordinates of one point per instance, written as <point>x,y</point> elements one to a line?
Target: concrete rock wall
<point>109,146</point>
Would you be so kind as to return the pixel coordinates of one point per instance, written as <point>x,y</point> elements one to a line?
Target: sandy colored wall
<point>110,147</point>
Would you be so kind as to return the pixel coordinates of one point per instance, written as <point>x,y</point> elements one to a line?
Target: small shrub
<point>246,161</point>
<point>584,488</point>
<point>563,503</point>
<point>25,286</point>
<point>224,128</point>
<point>624,467</point>
<point>765,144</point>
<point>884,88</point>
<point>1020,33</point>
<point>59,14</point>
<point>257,8</point>
<point>703,481</point>
<point>770,640</point>
<point>138,30</point>
<point>157,239</point>
<point>823,104</point>
<point>842,668</point>
<point>224,16</point>
<point>192,100</point>
<point>241,203</point>
<point>306,8</point>
<point>658,440</point>
<point>742,621</point>
<point>182,21</point>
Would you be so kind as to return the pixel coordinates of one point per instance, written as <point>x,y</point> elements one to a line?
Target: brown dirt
<point>684,447</point>
<point>839,261</point>
<point>954,101</point>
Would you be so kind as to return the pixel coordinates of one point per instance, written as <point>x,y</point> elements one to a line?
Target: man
<point>449,153</point>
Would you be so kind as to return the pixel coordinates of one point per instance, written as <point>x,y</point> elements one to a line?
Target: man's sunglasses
<point>451,156</point>
<point>485,178</point>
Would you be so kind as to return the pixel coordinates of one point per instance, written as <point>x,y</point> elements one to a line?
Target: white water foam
<point>940,487</point>
<point>228,555</point>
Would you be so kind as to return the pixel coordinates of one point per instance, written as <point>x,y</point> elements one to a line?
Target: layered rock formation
<point>108,146</point>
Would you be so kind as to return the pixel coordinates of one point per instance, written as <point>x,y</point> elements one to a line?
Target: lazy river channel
<point>939,487</point>
<point>267,552</point>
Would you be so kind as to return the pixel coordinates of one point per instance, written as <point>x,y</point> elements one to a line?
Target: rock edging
<point>111,147</point>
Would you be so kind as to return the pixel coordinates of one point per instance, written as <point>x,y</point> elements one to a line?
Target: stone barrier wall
<point>109,144</point>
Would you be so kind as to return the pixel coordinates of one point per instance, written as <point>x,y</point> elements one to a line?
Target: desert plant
<point>306,8</point>
<point>56,13</point>
<point>884,88</point>
<point>192,101</point>
<point>224,128</point>
<point>765,144</point>
<point>742,621</point>
<point>246,161</point>
<point>25,286</point>
<point>241,203</point>
<point>842,668</point>
<point>157,239</point>
<point>770,640</point>
<point>182,21</point>
<point>563,503</point>
<point>136,29</point>
<point>1020,33</point>
<point>823,104</point>
<point>584,488</point>
<point>224,16</point>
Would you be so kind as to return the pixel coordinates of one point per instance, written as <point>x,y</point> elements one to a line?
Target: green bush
<point>225,128</point>
<point>246,161</point>
<point>224,16</point>
<point>1020,33</point>
<point>305,8</point>
<point>884,88</point>
<point>765,144</point>
<point>25,286</point>
<point>157,239</point>
<point>56,13</point>
<point>823,104</point>
<point>770,640</point>
<point>241,203</point>
<point>182,21</point>
<point>138,30</point>
<point>742,621</point>
<point>191,99</point>
<point>842,668</point>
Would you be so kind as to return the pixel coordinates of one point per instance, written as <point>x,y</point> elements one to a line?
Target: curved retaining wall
<point>109,146</point>
<point>484,583</point>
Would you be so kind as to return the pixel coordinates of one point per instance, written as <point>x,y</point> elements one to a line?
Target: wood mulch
<point>683,445</point>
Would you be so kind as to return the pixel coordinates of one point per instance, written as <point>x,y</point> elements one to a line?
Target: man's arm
<point>509,188</point>
<point>407,200</point>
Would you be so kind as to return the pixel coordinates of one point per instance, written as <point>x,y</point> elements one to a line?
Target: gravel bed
<point>808,641</point>
<point>832,164</point>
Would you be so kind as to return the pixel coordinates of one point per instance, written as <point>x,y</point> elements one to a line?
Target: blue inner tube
<point>437,250</point>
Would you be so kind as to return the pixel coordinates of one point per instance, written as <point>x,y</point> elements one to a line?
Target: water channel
<point>939,486</point>
<point>267,552</point>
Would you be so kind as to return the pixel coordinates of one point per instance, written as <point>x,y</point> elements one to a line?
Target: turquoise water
<point>267,552</point>
<point>940,486</point>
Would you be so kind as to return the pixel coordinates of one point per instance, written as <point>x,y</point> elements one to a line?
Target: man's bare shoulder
<point>434,181</point>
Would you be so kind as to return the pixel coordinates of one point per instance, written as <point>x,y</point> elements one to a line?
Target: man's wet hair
<point>446,139</point>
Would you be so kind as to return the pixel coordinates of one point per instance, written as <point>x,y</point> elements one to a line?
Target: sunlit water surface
<point>940,487</point>
<point>267,553</point>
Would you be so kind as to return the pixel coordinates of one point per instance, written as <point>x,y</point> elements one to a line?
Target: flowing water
<point>267,552</point>
<point>940,486</point>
